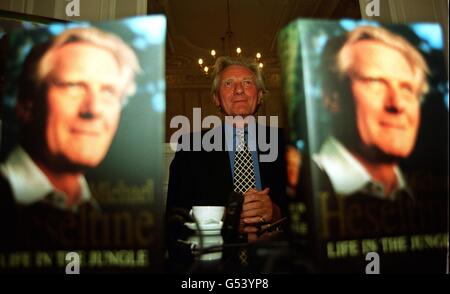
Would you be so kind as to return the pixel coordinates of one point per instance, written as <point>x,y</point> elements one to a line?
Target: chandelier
<point>228,48</point>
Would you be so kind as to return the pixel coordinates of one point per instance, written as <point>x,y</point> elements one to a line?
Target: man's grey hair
<point>125,56</point>
<point>336,64</point>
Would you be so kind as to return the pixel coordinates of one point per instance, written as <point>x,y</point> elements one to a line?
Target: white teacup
<point>208,214</point>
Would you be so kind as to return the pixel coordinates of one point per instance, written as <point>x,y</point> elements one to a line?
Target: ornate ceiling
<point>196,26</point>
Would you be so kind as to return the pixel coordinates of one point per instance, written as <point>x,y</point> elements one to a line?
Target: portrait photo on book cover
<point>81,143</point>
<point>368,114</point>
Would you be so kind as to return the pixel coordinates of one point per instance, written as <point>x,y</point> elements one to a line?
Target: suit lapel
<point>223,159</point>
<point>218,172</point>
<point>264,169</point>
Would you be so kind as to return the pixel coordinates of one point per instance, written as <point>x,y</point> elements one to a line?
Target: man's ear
<point>24,111</point>
<point>216,100</point>
<point>331,102</point>
<point>260,96</point>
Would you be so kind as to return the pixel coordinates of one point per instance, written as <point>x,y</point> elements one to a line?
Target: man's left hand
<point>257,207</point>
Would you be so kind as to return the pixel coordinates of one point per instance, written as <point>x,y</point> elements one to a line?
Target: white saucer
<point>205,227</point>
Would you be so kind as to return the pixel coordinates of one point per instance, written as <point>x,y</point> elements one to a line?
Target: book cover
<point>367,105</point>
<point>81,148</point>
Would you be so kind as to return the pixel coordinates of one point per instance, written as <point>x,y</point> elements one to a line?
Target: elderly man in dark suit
<point>210,177</point>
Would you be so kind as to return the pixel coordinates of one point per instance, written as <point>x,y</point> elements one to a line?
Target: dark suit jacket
<point>205,178</point>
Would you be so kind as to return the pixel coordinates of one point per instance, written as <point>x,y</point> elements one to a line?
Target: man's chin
<point>398,155</point>
<point>79,164</point>
<point>388,155</point>
<point>241,112</point>
<point>88,163</point>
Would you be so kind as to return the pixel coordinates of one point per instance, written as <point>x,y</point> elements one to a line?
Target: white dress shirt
<point>348,175</point>
<point>29,184</point>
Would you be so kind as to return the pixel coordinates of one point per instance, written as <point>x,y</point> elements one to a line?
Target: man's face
<point>83,104</point>
<point>237,91</point>
<point>386,98</point>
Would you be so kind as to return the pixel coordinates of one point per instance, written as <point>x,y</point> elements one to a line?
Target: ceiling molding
<point>194,27</point>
